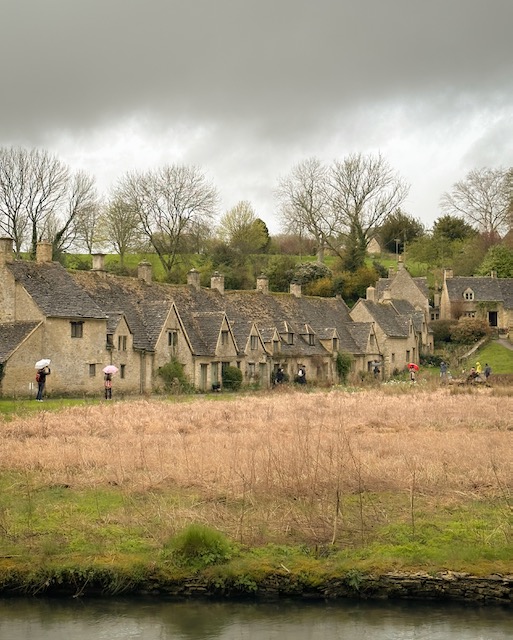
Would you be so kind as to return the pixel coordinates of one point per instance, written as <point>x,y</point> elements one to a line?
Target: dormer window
<point>253,343</point>
<point>311,339</point>
<point>224,337</point>
<point>468,294</point>
<point>290,338</point>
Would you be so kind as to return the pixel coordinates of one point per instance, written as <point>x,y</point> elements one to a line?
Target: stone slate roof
<point>485,289</point>
<point>12,334</point>
<point>359,332</point>
<point>54,290</point>
<point>389,320</point>
<point>287,313</point>
<point>209,323</point>
<point>118,296</point>
<point>384,283</point>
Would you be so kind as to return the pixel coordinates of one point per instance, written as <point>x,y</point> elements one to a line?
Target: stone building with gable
<point>84,320</point>
<point>486,297</point>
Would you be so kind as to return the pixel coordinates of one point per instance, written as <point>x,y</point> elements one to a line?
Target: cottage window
<point>224,337</point>
<point>92,370</point>
<point>172,339</point>
<point>311,339</point>
<point>110,341</point>
<point>77,329</point>
<point>254,343</point>
<point>335,344</point>
<point>290,338</point>
<point>276,346</point>
<point>122,370</point>
<point>470,314</point>
<point>121,343</point>
<point>392,357</point>
<point>251,369</point>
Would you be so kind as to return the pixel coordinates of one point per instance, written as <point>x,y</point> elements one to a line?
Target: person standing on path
<point>108,386</point>
<point>41,382</point>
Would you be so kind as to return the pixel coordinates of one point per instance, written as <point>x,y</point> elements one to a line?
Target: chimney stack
<point>144,272</point>
<point>295,289</point>
<point>262,283</point>
<point>98,262</point>
<point>193,278</point>
<point>44,251</point>
<point>370,294</point>
<point>217,282</point>
<point>6,254</point>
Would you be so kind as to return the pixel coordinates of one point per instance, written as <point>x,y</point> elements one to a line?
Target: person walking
<point>107,383</point>
<point>487,371</point>
<point>443,372</point>
<point>41,382</point>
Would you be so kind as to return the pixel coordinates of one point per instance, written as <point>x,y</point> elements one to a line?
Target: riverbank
<point>394,492</point>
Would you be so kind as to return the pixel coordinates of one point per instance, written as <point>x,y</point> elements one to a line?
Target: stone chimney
<point>44,251</point>
<point>262,283</point>
<point>6,254</point>
<point>370,294</point>
<point>448,274</point>
<point>98,262</point>
<point>193,278</point>
<point>144,272</point>
<point>217,282</point>
<point>295,289</point>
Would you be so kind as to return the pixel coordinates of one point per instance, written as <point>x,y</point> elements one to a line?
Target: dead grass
<point>302,465</point>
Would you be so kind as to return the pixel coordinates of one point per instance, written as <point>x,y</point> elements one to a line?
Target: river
<point>148,619</point>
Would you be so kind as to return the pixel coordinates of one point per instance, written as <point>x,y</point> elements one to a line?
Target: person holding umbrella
<point>43,370</point>
<point>109,371</point>
<point>413,368</point>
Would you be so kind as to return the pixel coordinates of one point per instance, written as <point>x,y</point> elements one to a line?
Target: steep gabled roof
<point>142,307</point>
<point>54,290</point>
<point>209,325</point>
<point>360,332</point>
<point>386,316</point>
<point>12,334</point>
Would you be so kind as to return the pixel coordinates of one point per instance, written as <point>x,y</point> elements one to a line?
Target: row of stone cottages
<point>85,320</point>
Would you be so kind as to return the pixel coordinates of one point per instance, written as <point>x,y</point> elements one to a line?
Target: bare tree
<point>483,199</point>
<point>121,227</point>
<point>80,204</point>
<point>364,191</point>
<point>169,201</point>
<point>14,177</point>
<point>305,204</point>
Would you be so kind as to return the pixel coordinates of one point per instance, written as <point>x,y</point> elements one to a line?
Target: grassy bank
<point>313,484</point>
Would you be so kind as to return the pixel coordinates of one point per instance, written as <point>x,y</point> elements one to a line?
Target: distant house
<point>488,297</point>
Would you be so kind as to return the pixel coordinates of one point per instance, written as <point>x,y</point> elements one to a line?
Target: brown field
<point>287,465</point>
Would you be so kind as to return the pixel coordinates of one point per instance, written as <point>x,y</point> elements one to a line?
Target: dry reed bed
<point>288,444</point>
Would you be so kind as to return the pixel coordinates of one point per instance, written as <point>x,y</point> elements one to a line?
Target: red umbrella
<point>413,366</point>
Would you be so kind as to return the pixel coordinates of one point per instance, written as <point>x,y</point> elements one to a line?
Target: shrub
<point>343,364</point>
<point>173,377</point>
<point>442,330</point>
<point>232,378</point>
<point>469,330</point>
<point>199,546</point>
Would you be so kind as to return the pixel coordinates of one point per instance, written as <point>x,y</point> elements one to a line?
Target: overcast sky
<point>245,89</point>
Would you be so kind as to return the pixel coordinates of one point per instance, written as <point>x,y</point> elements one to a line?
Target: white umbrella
<point>44,362</point>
